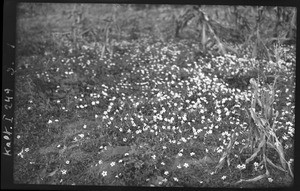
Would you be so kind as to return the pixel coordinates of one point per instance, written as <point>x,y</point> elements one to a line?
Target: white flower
<point>179,166</point>
<point>84,126</point>
<point>224,177</point>
<point>153,156</point>
<point>67,162</point>
<point>176,179</point>
<point>192,153</point>
<point>104,173</point>
<point>180,154</point>
<point>270,179</point>
<point>100,162</point>
<point>241,167</point>
<point>81,135</point>
<point>112,164</point>
<point>63,171</point>
<point>166,172</point>
<point>50,121</point>
<point>186,165</point>
<point>27,149</point>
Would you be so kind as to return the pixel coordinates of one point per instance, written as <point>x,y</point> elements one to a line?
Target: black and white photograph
<point>153,95</point>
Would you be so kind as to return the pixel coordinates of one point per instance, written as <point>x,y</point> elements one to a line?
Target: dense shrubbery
<point>142,111</point>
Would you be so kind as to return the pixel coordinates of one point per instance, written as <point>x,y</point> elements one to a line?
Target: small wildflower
<point>186,165</point>
<point>255,166</point>
<point>50,121</point>
<point>162,163</point>
<point>192,153</point>
<point>153,156</point>
<point>84,126</point>
<point>179,166</point>
<point>224,177</point>
<point>166,172</point>
<point>100,162</point>
<point>176,179</point>
<point>241,167</point>
<point>21,154</point>
<point>64,171</point>
<point>67,162</point>
<point>26,150</point>
<point>180,154</point>
<point>270,179</point>
<point>104,173</point>
<point>112,164</point>
<point>18,137</point>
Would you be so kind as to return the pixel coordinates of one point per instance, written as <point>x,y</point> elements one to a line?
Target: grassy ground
<point>151,115</point>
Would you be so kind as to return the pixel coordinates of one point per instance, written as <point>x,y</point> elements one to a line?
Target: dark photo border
<point>8,80</point>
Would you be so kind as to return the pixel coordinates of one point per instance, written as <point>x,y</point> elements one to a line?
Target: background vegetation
<point>155,95</point>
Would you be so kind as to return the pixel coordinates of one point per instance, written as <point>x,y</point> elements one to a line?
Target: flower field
<point>151,115</point>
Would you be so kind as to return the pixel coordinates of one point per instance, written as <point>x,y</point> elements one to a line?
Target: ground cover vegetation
<point>155,95</point>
